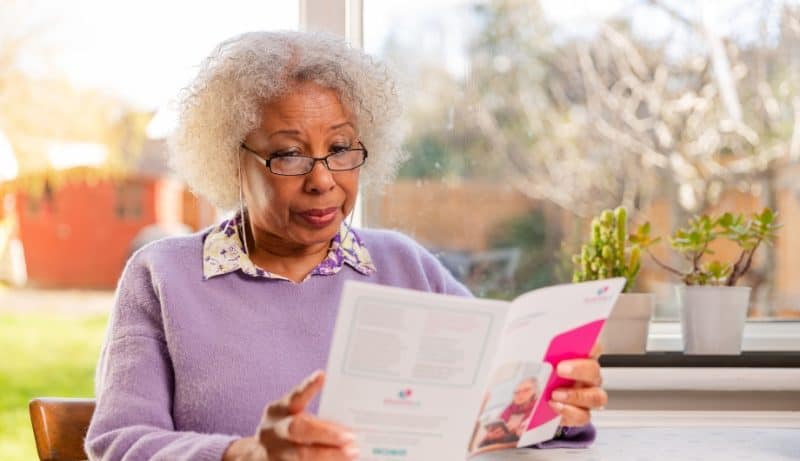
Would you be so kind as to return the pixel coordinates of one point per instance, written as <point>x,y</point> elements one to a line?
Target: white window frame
<point>345,18</point>
<point>340,17</point>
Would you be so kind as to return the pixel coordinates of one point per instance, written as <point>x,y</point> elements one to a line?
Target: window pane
<point>85,91</point>
<point>533,117</point>
<point>84,87</point>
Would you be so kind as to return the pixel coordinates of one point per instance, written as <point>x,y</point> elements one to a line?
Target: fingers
<point>298,399</point>
<point>327,454</point>
<point>289,434</point>
<point>583,371</point>
<point>591,397</point>
<point>574,405</point>
<point>571,415</point>
<point>294,452</point>
<point>302,395</point>
<point>304,437</point>
<point>309,430</point>
<point>597,351</point>
<point>308,453</point>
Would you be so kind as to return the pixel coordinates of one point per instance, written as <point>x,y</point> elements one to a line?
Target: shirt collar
<point>223,253</point>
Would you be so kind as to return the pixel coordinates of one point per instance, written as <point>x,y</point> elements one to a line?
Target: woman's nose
<point>320,178</point>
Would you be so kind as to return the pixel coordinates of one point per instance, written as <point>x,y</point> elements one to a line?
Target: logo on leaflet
<point>402,398</point>
<point>600,295</point>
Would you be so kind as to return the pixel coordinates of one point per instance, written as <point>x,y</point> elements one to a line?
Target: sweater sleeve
<point>134,382</point>
<point>571,437</point>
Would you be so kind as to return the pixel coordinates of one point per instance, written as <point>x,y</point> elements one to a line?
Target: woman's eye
<point>287,153</point>
<point>339,149</point>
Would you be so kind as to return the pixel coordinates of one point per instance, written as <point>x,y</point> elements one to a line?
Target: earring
<point>241,208</point>
<point>349,223</point>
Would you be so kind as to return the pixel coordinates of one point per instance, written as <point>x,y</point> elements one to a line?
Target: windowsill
<point>770,361</point>
<point>677,359</point>
<point>759,335</point>
<point>713,379</point>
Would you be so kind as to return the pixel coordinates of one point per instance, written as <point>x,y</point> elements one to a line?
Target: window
<point>535,116</point>
<point>86,90</point>
<point>128,201</point>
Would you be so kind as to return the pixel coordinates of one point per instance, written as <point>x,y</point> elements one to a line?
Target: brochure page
<point>543,327</point>
<point>407,370</point>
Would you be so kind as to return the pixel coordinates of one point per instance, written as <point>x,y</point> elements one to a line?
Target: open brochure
<point>424,376</point>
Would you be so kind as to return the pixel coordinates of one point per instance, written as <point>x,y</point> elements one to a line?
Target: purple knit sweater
<point>188,364</point>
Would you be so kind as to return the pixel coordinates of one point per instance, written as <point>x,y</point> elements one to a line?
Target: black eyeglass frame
<point>324,159</point>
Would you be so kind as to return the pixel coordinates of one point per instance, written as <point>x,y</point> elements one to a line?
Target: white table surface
<point>684,436</point>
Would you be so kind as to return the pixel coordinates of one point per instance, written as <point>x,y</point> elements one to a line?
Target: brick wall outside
<point>461,216</point>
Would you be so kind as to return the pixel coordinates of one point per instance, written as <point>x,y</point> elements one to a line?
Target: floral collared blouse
<point>224,253</point>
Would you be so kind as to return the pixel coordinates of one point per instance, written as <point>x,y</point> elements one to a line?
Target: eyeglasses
<point>291,164</point>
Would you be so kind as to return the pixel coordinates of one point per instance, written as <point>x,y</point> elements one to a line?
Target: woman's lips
<point>318,217</point>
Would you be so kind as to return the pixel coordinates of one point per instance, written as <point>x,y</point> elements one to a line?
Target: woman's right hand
<point>288,433</point>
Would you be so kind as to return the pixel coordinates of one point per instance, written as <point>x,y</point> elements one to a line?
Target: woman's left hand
<point>574,404</point>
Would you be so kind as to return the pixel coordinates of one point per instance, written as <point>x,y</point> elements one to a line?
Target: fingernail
<point>348,437</point>
<point>556,406</point>
<point>564,369</point>
<point>309,379</point>
<point>352,452</point>
<point>560,396</point>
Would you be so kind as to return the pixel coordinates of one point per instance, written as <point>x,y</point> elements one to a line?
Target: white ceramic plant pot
<point>626,330</point>
<point>712,318</point>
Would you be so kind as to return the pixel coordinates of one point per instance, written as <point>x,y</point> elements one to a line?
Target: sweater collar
<point>223,253</point>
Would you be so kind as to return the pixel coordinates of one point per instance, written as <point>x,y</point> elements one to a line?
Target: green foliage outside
<point>429,159</point>
<point>538,261</point>
<point>42,355</point>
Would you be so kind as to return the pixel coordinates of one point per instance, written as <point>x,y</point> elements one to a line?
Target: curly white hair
<point>223,104</point>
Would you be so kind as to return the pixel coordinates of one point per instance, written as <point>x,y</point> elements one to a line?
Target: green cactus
<point>611,252</point>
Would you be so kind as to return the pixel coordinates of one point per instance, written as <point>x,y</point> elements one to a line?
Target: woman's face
<point>291,212</point>
<point>524,392</point>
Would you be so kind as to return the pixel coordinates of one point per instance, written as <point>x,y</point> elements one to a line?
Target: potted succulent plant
<point>612,252</point>
<point>713,308</point>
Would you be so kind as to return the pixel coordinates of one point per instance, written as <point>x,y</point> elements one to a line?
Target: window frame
<point>345,19</point>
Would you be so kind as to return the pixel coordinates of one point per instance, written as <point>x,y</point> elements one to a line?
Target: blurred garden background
<point>524,119</point>
<point>49,343</point>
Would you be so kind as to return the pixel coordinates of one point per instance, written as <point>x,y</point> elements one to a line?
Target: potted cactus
<point>612,252</point>
<point>713,308</point>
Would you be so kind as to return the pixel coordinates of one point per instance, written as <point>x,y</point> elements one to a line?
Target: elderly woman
<point>207,329</point>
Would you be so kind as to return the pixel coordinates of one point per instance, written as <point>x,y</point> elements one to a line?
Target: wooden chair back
<point>59,427</point>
